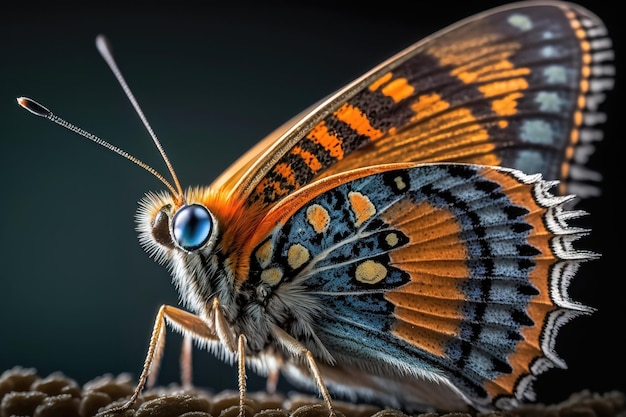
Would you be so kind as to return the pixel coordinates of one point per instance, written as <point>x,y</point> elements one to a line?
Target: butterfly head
<point>167,223</point>
<point>183,234</point>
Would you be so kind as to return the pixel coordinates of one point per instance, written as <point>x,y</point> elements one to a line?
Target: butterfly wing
<point>401,268</point>
<point>517,86</point>
<point>418,275</point>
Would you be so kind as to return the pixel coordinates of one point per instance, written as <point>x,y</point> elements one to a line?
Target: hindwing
<point>449,272</point>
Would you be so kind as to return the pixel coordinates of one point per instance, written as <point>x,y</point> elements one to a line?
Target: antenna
<point>40,110</point>
<point>105,50</point>
<point>104,47</point>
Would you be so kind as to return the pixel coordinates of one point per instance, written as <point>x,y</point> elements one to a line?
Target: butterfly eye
<point>192,226</point>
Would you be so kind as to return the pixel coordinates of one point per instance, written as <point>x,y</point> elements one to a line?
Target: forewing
<point>518,86</point>
<point>451,272</point>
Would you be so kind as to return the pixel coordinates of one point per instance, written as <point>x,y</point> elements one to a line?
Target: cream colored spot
<point>392,239</point>
<point>549,101</point>
<point>400,184</point>
<point>370,272</point>
<point>537,131</point>
<point>272,276</point>
<point>520,21</point>
<point>555,74</point>
<point>318,217</point>
<point>297,255</point>
<point>264,253</point>
<point>362,207</point>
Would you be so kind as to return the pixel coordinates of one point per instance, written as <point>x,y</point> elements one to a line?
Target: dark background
<point>77,293</point>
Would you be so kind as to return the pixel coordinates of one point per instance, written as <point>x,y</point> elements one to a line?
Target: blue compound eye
<point>192,226</point>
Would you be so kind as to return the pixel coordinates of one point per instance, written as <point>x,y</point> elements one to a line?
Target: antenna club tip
<point>103,45</point>
<point>33,107</point>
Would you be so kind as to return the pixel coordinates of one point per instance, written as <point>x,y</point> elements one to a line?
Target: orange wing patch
<point>358,121</point>
<point>428,308</point>
<point>361,206</point>
<point>398,89</point>
<point>320,135</point>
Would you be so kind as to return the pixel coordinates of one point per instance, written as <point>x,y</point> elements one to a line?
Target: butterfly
<point>406,239</point>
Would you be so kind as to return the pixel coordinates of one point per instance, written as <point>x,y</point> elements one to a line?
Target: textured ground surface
<point>25,393</point>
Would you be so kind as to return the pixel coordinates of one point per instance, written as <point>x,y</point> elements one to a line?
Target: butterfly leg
<point>186,370</point>
<point>299,350</point>
<point>190,324</point>
<point>241,347</point>
<point>158,353</point>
